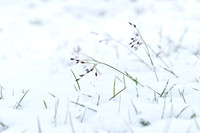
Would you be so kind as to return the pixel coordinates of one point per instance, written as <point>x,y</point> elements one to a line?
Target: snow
<point>38,92</point>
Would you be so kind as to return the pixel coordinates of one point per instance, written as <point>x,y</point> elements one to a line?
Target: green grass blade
<point>19,103</point>
<point>117,94</point>
<point>182,111</point>
<point>76,80</point>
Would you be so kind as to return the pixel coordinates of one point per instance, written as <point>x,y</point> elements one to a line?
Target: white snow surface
<point>39,94</point>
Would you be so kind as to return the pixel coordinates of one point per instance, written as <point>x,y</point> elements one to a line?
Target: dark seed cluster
<point>136,41</point>
<point>86,70</point>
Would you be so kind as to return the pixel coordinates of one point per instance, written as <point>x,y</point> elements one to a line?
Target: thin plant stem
<point>83,106</point>
<point>123,73</point>
<point>164,88</point>
<point>114,86</point>
<point>39,125</point>
<point>182,111</point>
<point>76,80</point>
<point>117,94</point>
<point>19,103</point>
<point>148,53</point>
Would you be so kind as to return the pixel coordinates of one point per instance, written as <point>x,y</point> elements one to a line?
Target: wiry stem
<point>147,51</point>
<point>123,73</point>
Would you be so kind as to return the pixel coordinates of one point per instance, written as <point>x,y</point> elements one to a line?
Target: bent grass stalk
<point>123,73</point>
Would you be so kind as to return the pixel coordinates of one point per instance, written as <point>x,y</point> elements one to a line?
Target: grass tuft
<point>144,122</point>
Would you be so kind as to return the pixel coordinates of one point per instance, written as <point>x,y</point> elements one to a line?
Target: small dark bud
<point>136,48</point>
<point>72,59</point>
<point>81,75</point>
<point>130,23</point>
<point>134,26</point>
<point>137,34</point>
<point>96,74</point>
<point>138,42</point>
<point>77,61</point>
<point>87,70</point>
<point>132,38</point>
<point>92,69</point>
<point>82,62</point>
<point>132,46</point>
<point>130,43</point>
<point>77,80</point>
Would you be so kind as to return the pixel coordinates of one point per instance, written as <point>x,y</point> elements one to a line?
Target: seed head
<point>82,62</point>
<point>81,75</point>
<point>96,74</point>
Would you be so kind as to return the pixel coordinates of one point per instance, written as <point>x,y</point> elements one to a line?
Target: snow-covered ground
<point>39,93</point>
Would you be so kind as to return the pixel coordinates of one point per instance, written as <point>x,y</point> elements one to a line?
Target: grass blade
<point>76,80</point>
<point>164,88</point>
<point>71,123</point>
<point>39,126</point>
<point>19,103</point>
<point>136,111</point>
<point>117,93</point>
<point>45,104</point>
<point>182,111</point>
<point>1,92</point>
<point>83,106</point>
<point>114,86</point>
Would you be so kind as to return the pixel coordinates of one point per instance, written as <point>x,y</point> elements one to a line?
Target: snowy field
<point>79,66</point>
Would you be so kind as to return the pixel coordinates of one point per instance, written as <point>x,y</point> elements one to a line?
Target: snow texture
<point>39,93</point>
